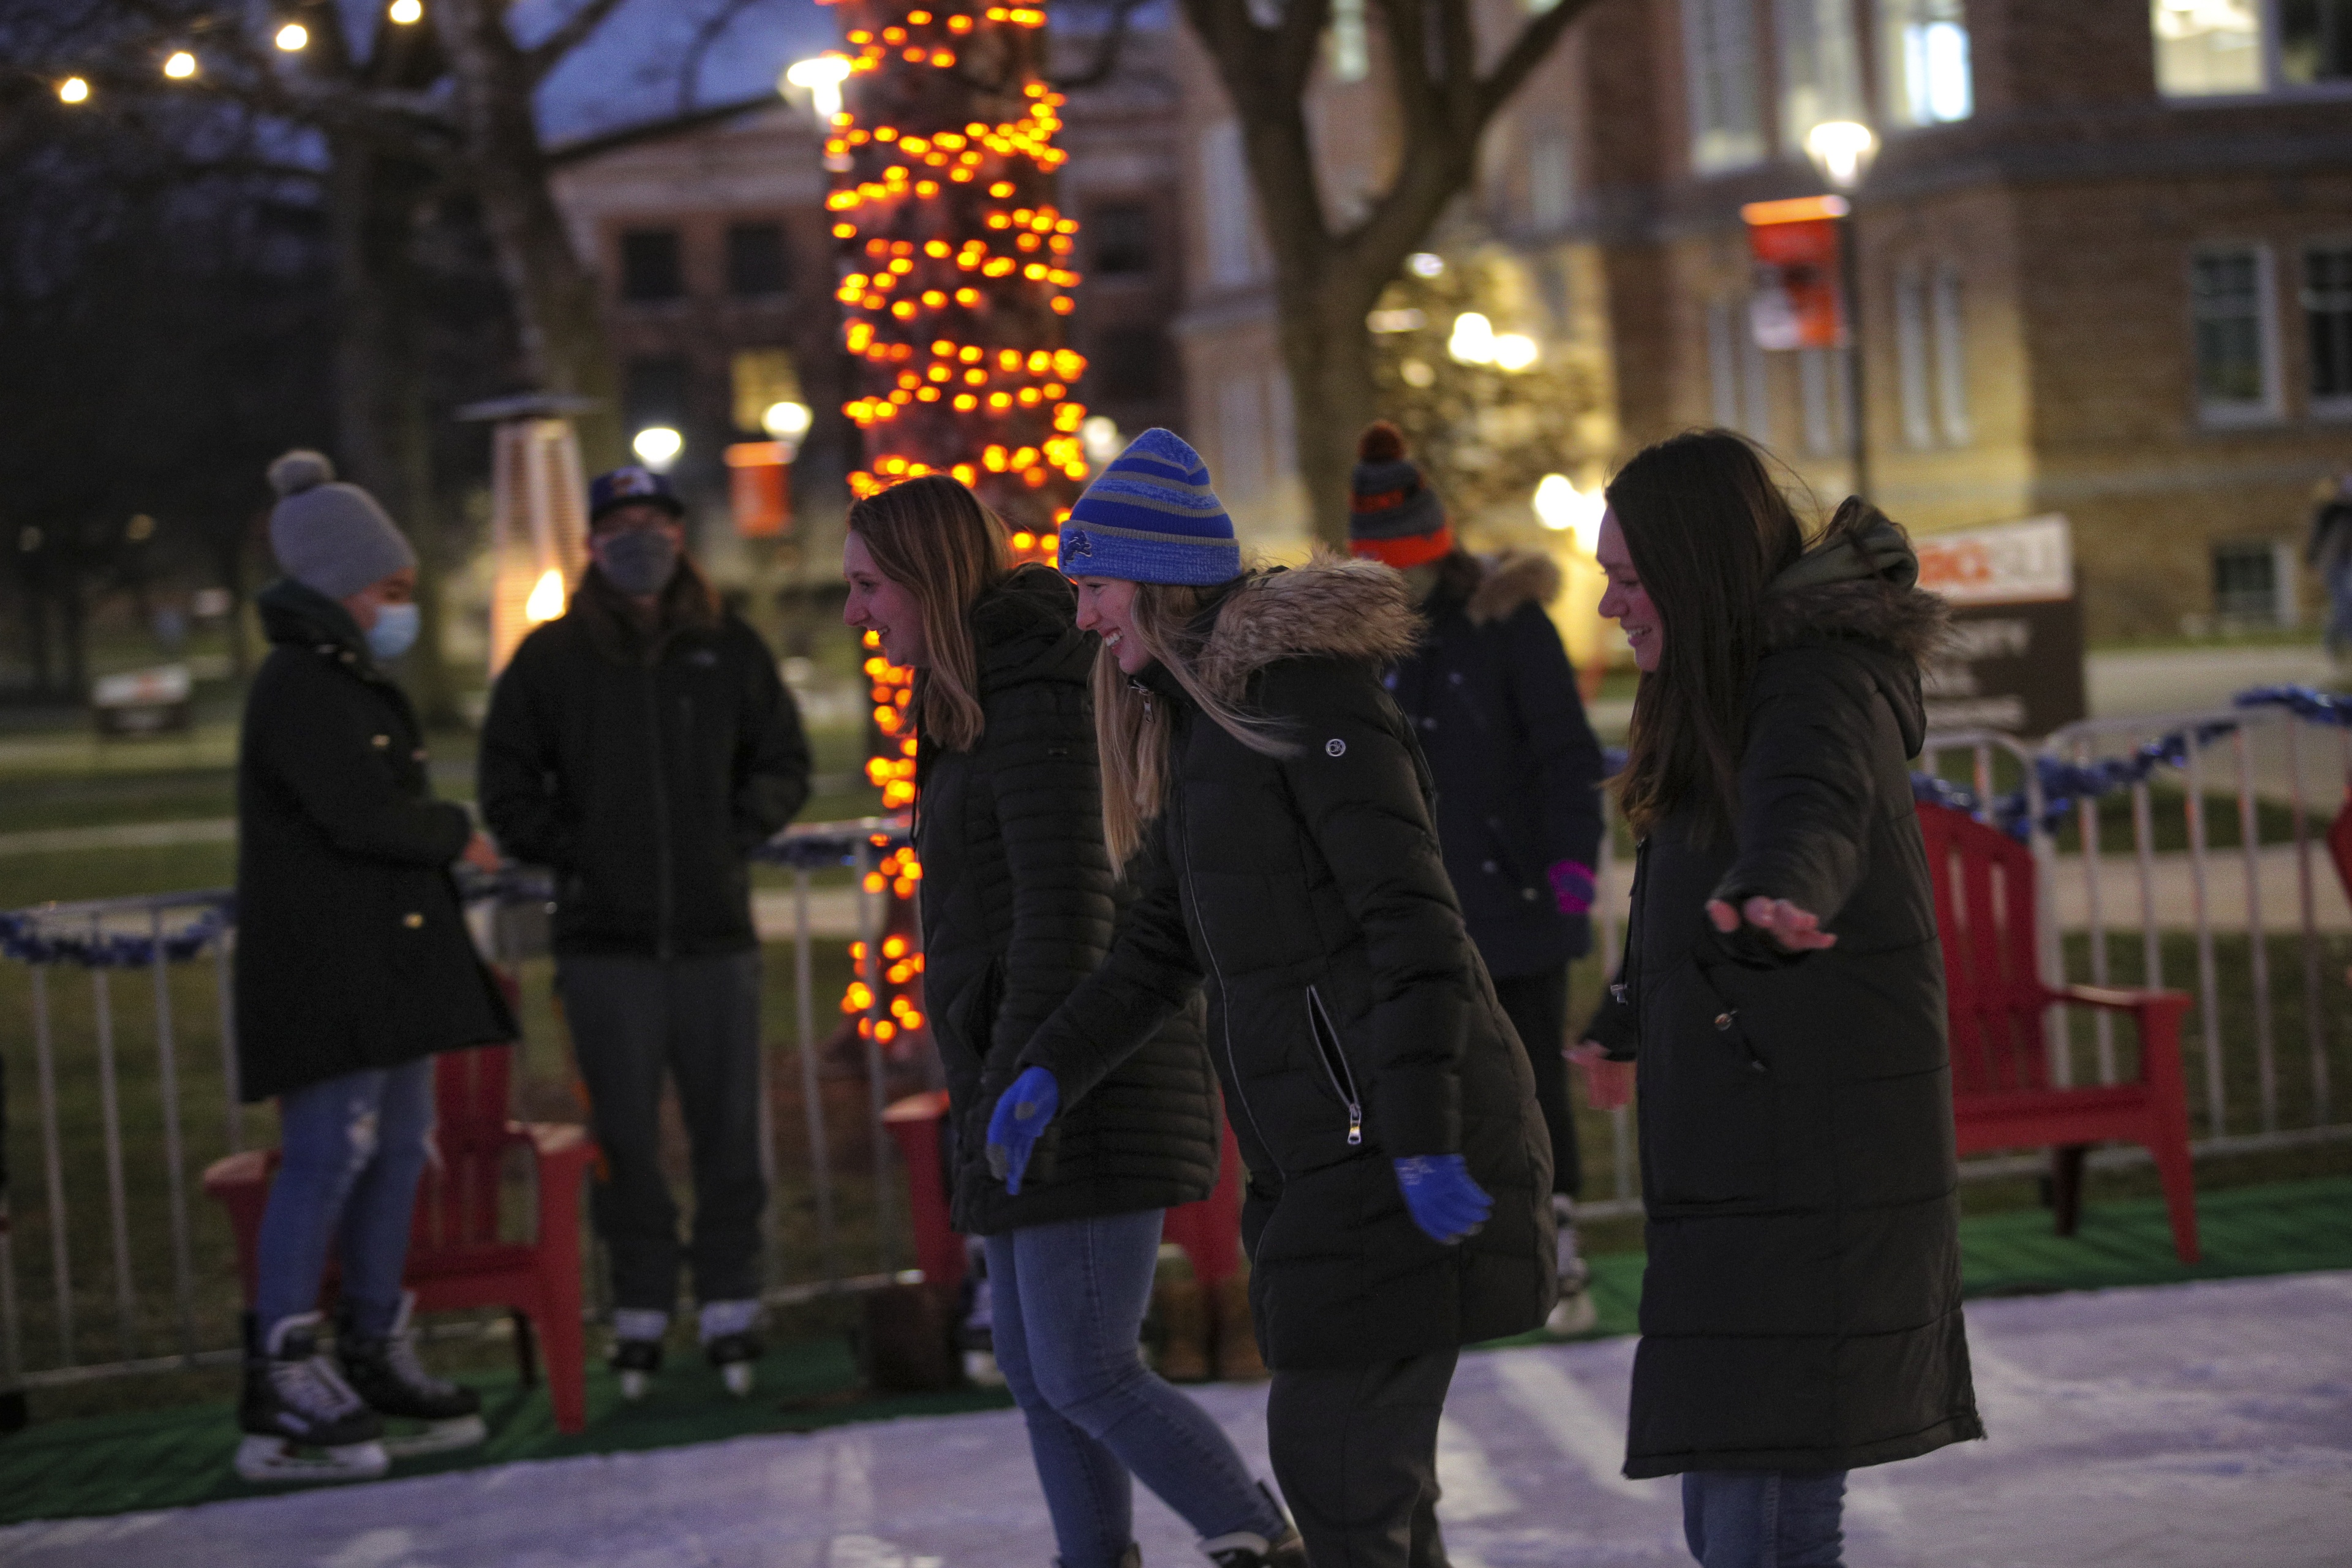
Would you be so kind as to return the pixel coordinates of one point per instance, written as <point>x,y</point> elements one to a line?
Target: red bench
<point>2004,1095</point>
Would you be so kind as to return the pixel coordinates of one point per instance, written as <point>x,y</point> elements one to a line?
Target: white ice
<point>2187,1426</point>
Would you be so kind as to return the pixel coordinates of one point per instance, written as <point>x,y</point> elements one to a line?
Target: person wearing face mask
<point>353,966</point>
<point>641,746</point>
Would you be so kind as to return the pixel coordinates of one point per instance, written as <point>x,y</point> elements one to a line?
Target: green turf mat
<point>181,1455</point>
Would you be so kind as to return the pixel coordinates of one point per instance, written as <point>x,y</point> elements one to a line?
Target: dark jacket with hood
<point>1492,696</point>
<point>1349,1018</point>
<point>1017,908</point>
<point>1801,1306</point>
<point>644,768</point>
<point>352,947</point>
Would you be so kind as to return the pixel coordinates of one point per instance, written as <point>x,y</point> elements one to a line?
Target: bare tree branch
<point>1527,51</point>
<point>574,31</point>
<point>705,34</point>
<point>1107,50</point>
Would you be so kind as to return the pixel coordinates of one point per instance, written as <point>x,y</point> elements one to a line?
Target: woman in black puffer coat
<point>1017,903</point>
<point>1783,993</point>
<point>1399,1176</point>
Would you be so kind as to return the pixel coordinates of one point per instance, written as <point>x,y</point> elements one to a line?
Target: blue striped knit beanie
<point>1150,517</point>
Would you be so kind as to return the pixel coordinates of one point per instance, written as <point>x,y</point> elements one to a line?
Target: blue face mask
<point>394,632</point>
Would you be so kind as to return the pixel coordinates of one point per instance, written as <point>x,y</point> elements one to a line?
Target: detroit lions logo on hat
<point>1075,542</point>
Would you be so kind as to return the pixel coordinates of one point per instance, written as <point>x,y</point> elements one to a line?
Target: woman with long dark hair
<point>1017,908</point>
<point>1399,1182</point>
<point>1783,996</point>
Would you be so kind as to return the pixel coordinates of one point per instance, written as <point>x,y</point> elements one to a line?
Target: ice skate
<point>729,1337</point>
<point>976,1327</point>
<point>1247,1548</point>
<point>1575,1311</point>
<point>386,1374</point>
<point>301,1421</point>
<point>635,1361</point>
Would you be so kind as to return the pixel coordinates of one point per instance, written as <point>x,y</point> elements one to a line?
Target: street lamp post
<point>1842,151</point>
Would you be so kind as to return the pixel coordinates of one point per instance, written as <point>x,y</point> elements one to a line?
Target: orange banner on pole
<point>1799,301</point>
<point>759,489</point>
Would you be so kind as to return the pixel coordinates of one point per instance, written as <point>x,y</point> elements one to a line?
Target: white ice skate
<point>1575,1312</point>
<point>260,1459</point>
<point>730,1339</point>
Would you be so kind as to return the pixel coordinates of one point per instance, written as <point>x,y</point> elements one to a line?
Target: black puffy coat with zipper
<point>1800,1310</point>
<point>643,769</point>
<point>1018,904</point>
<point>352,948</point>
<point>1350,1020</point>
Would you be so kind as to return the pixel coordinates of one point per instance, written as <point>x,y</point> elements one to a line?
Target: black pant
<point>1536,1006</point>
<point>697,1020</point>
<point>1355,1450</point>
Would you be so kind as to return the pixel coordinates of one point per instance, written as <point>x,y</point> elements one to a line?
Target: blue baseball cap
<point>623,486</point>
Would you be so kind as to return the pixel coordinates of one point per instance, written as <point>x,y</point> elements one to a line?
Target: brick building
<point>2106,260</point>
<point>713,241</point>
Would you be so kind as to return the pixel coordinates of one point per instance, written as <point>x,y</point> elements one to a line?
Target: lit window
<point>2205,48</point>
<point>1229,207</point>
<point>2327,311</point>
<point>1926,44</point>
<point>1821,390</point>
<point>1821,74</point>
<point>1551,181</point>
<point>1350,52</point>
<point>1720,56</point>
<point>2231,315</point>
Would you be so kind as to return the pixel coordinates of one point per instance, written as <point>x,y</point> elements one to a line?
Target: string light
<point>292,36</point>
<point>73,89</point>
<point>406,13</point>
<point>181,66</point>
<point>954,281</point>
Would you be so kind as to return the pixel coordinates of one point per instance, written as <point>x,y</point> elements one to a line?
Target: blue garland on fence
<point>2066,786</point>
<point>24,938</point>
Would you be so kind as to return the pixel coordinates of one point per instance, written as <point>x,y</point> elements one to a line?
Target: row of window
<point>2235,305</point>
<point>760,259</point>
<point>1924,67</point>
<point>2203,47</point>
<point>1931,371</point>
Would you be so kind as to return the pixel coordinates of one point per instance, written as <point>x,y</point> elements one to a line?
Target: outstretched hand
<point>1795,930</point>
<point>1019,1121</point>
<point>1441,1196</point>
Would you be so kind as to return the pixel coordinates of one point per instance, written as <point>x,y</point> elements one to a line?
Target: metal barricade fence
<point>2223,904</point>
<point>159,1297</point>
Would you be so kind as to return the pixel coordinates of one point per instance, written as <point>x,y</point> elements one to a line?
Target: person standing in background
<point>353,966</point>
<point>1492,698</point>
<point>641,746</point>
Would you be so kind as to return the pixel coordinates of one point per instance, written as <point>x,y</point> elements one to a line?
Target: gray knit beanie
<point>329,536</point>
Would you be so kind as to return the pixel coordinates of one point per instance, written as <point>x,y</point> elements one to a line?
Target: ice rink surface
<point>2203,1426</point>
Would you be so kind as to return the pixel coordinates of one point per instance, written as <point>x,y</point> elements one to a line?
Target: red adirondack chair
<point>2002,1092</point>
<point>457,1256</point>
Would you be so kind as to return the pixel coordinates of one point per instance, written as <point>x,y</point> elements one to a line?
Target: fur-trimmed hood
<point>1328,608</point>
<point>1859,580</point>
<point>1492,588</point>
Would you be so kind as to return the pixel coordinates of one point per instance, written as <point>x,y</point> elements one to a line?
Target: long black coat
<point>1349,1018</point>
<point>1493,699</point>
<point>1801,1306</point>
<point>1017,908</point>
<point>352,947</point>
<point>643,771</point>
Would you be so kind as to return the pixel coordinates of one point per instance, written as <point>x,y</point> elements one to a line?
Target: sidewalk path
<point>2172,1427</point>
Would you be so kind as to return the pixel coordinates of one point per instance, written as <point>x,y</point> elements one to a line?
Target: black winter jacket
<point>1801,1306</point>
<point>1349,1018</point>
<point>1017,908</point>
<point>1493,699</point>
<point>643,771</point>
<point>352,947</point>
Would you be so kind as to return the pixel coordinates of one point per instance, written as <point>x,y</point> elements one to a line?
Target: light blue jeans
<point>1764,1519</point>
<point>1068,1300</point>
<point>355,1147</point>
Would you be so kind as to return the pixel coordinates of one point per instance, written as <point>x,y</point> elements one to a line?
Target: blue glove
<point>1441,1196</point>
<point>1020,1121</point>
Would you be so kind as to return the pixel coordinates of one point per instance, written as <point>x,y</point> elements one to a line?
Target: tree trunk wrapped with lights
<point>956,277</point>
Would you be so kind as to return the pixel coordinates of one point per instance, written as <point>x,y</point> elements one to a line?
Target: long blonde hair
<point>933,536</point>
<point>1131,726</point>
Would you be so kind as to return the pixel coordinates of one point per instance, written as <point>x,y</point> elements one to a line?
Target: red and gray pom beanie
<point>1392,516</point>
